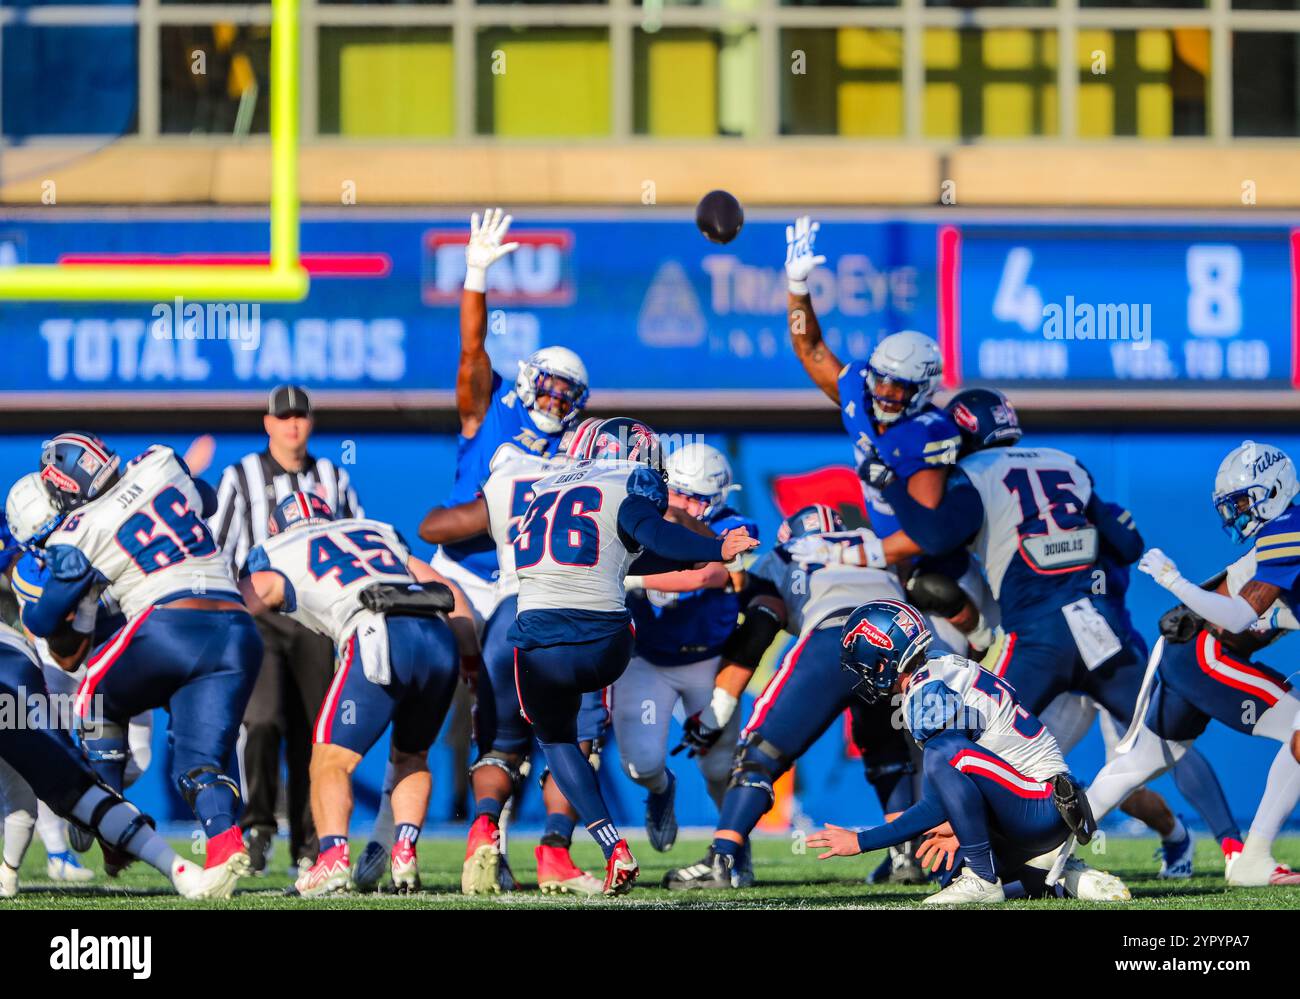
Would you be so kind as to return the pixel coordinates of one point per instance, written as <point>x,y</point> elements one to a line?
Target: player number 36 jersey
<point>953,693</point>
<point>326,566</point>
<point>145,537</point>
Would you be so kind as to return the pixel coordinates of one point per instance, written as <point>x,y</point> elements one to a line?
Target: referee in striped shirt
<point>298,664</point>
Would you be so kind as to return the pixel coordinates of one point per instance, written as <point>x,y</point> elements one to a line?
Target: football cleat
<point>330,874</point>
<point>405,867</point>
<point>8,881</point>
<point>714,871</point>
<point>557,874</point>
<point>899,867</point>
<point>66,867</point>
<point>505,876</point>
<point>1176,858</point>
<point>370,867</point>
<point>478,875</point>
<point>661,816</point>
<point>260,847</point>
<point>1090,885</point>
<point>227,855</point>
<point>192,881</point>
<point>742,874</point>
<point>621,870</point>
<point>968,888</point>
<point>1246,870</point>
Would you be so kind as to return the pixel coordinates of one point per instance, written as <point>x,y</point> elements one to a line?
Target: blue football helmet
<point>77,468</point>
<point>880,641</point>
<point>296,509</point>
<point>816,519</point>
<point>986,419</point>
<point>620,438</point>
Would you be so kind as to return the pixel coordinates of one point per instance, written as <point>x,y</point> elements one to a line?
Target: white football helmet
<point>910,359</point>
<point>1255,484</point>
<point>537,377</point>
<point>31,511</point>
<point>701,472</point>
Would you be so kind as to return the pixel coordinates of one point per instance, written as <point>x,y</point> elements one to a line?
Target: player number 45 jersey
<point>508,493</point>
<point>953,693</point>
<point>326,566</point>
<point>146,538</point>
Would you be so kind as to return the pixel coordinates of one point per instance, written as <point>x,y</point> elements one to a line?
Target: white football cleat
<point>1251,870</point>
<point>330,874</point>
<point>8,881</point>
<point>66,867</point>
<point>193,880</point>
<point>405,867</point>
<point>479,873</point>
<point>1091,885</point>
<point>968,888</point>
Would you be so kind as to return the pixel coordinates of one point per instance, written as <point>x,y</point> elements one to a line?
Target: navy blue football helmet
<point>296,509</point>
<point>816,519</point>
<point>620,438</point>
<point>880,641</point>
<point>986,419</point>
<point>77,468</point>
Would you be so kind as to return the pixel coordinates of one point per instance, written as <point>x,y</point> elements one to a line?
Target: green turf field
<point>787,880</point>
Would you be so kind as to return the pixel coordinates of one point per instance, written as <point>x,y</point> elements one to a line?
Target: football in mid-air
<point>719,216</point>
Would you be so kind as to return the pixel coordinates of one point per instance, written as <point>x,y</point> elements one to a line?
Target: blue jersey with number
<point>506,421</point>
<point>673,629</point>
<point>930,439</point>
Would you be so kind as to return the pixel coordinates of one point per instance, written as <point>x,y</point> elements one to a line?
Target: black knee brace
<point>105,805</point>
<point>502,761</point>
<point>193,781</point>
<point>758,763</point>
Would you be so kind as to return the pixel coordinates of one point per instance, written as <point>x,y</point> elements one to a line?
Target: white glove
<point>814,549</point>
<point>799,259</point>
<point>485,246</point>
<point>1160,567</point>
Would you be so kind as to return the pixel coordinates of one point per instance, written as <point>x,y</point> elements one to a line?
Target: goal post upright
<point>284,280</point>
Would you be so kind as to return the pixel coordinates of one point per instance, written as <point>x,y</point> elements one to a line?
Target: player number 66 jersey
<point>145,536</point>
<point>951,692</point>
<point>326,566</point>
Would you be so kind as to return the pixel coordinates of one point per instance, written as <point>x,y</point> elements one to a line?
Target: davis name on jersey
<point>569,551</point>
<point>950,692</point>
<point>145,538</point>
<point>326,566</point>
<point>508,492</point>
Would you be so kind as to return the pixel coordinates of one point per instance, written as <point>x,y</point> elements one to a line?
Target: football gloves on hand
<point>799,258</point>
<point>874,472</point>
<point>1160,567</point>
<point>485,246</point>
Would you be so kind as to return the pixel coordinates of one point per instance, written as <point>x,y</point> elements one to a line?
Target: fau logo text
<point>539,273</point>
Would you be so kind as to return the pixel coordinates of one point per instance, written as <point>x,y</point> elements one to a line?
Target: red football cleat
<point>478,876</point>
<point>621,870</point>
<point>557,874</point>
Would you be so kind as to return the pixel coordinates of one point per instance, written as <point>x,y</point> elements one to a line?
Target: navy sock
<point>407,831</point>
<point>559,829</point>
<point>328,843</point>
<point>727,847</point>
<point>489,806</point>
<point>215,807</point>
<point>108,754</point>
<point>742,807</point>
<point>605,833</point>
<point>1196,782</point>
<point>577,782</point>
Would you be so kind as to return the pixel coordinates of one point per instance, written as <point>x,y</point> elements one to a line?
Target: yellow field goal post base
<point>283,280</point>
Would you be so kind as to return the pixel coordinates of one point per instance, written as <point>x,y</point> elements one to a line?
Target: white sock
<point>1280,796</point>
<point>385,828</point>
<point>19,814</point>
<point>51,828</point>
<point>1149,758</point>
<point>1179,832</point>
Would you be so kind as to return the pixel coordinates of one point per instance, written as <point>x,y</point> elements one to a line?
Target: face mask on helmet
<point>880,642</point>
<point>902,375</point>
<point>1254,485</point>
<point>701,476</point>
<point>552,386</point>
<point>31,512</point>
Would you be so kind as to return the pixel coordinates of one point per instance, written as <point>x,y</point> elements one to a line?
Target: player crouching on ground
<point>399,659</point>
<point>994,785</point>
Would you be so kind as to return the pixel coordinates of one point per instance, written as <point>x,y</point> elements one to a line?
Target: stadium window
<point>543,82</point>
<point>1151,82</point>
<point>386,82</point>
<point>1265,84</point>
<point>50,87</point>
<point>992,83</point>
<point>693,82</point>
<point>216,80</point>
<point>842,81</point>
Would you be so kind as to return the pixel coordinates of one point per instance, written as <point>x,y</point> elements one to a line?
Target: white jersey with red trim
<point>145,536</point>
<point>507,492</point>
<point>1033,504</point>
<point>326,565</point>
<point>953,693</point>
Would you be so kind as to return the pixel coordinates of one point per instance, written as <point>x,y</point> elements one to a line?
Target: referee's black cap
<point>287,400</point>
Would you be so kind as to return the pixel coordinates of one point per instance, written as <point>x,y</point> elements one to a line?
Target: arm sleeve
<point>1231,613</point>
<point>71,575</point>
<point>1117,529</point>
<point>641,520</point>
<point>925,814</point>
<point>951,524</point>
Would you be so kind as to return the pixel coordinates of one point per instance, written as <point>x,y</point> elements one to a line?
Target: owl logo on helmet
<point>702,473</point>
<point>297,509</point>
<point>880,641</point>
<point>902,374</point>
<point>77,468</point>
<point>816,519</point>
<point>1255,484</point>
<point>552,385</point>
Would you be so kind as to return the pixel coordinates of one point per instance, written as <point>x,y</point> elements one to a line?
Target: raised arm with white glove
<point>799,258</point>
<point>1232,613</point>
<point>485,247</point>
